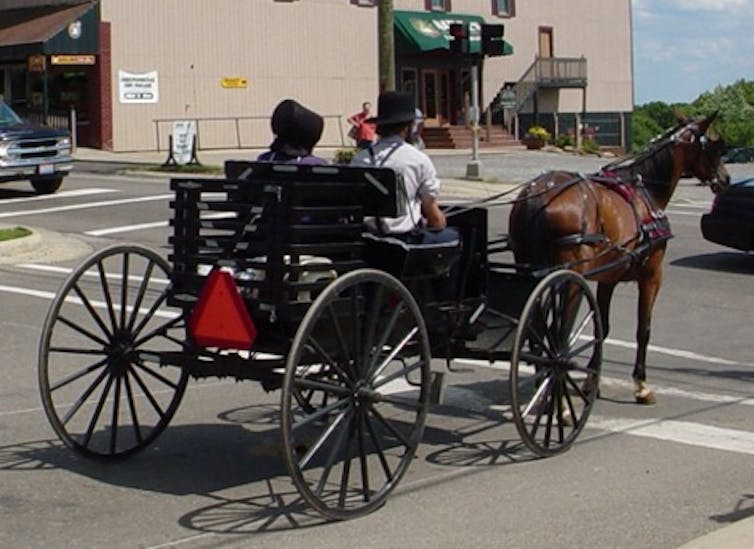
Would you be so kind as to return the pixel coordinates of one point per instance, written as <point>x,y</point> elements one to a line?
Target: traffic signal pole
<point>474,168</point>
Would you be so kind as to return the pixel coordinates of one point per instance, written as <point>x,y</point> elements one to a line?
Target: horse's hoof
<point>645,398</point>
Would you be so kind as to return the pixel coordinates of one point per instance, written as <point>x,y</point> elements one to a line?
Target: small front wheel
<point>555,363</point>
<point>105,388</point>
<point>351,421</point>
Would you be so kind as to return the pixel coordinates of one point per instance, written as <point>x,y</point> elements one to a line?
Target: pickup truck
<point>37,153</point>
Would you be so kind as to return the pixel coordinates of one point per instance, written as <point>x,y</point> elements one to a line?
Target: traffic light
<point>459,37</point>
<point>492,40</point>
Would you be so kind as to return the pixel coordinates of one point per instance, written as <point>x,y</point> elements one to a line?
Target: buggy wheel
<point>555,363</point>
<point>351,422</point>
<point>104,385</point>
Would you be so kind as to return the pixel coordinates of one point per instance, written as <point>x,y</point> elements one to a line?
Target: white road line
<point>127,228</point>
<point>152,225</point>
<point>95,304</point>
<point>87,205</point>
<point>90,273</point>
<point>61,194</point>
<point>628,384</point>
<point>684,432</point>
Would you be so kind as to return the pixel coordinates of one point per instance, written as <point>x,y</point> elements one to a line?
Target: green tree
<point>644,129</point>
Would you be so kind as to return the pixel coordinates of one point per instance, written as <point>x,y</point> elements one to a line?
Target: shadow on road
<point>730,262</point>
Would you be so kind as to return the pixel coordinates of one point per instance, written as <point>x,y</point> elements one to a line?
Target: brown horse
<point>610,226</point>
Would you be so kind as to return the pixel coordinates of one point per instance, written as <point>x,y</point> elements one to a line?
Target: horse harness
<point>653,229</point>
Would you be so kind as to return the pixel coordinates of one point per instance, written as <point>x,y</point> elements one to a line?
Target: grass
<point>13,232</point>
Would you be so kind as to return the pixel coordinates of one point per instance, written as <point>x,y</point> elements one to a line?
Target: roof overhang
<point>49,30</point>
<point>420,32</point>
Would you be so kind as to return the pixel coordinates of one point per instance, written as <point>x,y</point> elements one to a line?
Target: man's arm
<point>433,214</point>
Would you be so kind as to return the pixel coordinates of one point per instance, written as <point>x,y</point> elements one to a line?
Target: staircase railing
<point>547,72</point>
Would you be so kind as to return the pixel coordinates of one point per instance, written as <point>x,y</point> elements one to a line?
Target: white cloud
<point>712,5</point>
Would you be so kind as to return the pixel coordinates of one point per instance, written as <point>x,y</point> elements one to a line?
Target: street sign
<point>508,98</point>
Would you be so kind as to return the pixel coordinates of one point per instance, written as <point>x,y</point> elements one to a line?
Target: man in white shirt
<point>423,222</point>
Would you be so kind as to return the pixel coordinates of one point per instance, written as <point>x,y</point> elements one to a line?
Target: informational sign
<point>138,88</point>
<point>184,136</point>
<point>234,82</point>
<point>72,59</point>
<point>508,98</point>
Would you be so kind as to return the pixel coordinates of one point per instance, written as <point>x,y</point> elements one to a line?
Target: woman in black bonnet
<point>297,130</point>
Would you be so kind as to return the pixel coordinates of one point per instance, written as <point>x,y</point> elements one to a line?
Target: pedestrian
<point>362,130</point>
<point>416,129</point>
<point>297,130</point>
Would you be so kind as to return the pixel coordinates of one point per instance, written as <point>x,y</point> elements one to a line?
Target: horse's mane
<point>653,164</point>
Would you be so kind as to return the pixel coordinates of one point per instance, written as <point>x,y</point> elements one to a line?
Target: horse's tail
<point>528,229</point>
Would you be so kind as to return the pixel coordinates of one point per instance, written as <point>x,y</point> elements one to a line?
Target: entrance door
<point>434,97</point>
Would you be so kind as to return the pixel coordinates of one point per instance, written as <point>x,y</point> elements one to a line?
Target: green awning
<point>427,31</point>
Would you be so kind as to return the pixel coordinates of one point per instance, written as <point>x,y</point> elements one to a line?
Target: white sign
<point>138,88</point>
<point>184,135</point>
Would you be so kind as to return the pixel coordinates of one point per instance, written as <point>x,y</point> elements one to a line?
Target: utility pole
<point>385,45</point>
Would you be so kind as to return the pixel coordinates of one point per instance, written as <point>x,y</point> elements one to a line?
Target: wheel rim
<point>361,421</point>
<point>555,363</point>
<point>103,389</point>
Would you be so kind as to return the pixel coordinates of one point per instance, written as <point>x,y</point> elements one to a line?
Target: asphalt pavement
<point>502,171</point>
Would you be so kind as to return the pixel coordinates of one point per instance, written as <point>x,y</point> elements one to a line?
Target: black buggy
<point>271,278</point>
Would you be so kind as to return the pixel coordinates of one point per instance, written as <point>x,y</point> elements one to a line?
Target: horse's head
<point>702,152</point>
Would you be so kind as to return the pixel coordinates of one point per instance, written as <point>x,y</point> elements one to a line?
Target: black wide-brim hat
<point>296,128</point>
<point>394,107</point>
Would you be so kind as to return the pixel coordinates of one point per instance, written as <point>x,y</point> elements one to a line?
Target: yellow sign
<point>234,82</point>
<point>36,63</point>
<point>72,59</point>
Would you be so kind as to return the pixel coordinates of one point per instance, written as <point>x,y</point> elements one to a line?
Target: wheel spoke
<point>578,332</point>
<point>338,390</point>
<point>403,372</point>
<point>397,349</point>
<point>106,293</point>
<point>331,457</point>
<point>124,291</point>
<point>389,426</point>
<point>396,313</point>
<point>362,456</point>
<point>151,313</point>
<point>132,407</point>
<point>147,393</point>
<point>576,351</point>
<point>114,421</point>
<point>321,412</point>
<point>321,440</point>
<point>79,374</point>
<point>83,331</point>
<point>139,363</point>
<point>92,311</point>
<point>380,452</point>
<point>84,396</point>
<point>140,295</point>
<point>346,471</point>
<point>97,411</point>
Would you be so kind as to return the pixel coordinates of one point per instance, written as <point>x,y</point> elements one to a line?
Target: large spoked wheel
<point>351,421</point>
<point>555,363</point>
<point>104,389</point>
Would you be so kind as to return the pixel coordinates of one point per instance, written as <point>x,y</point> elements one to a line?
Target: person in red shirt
<point>364,132</point>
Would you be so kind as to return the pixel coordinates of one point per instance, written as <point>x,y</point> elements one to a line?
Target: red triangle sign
<point>220,318</point>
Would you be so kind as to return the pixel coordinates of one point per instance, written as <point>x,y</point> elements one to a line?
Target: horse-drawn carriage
<point>272,279</point>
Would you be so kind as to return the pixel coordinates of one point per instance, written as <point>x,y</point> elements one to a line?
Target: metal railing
<point>241,132</point>
<point>551,72</point>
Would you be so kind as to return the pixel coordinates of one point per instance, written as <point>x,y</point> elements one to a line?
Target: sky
<point>683,48</point>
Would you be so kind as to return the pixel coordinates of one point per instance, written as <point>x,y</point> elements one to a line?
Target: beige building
<point>130,69</point>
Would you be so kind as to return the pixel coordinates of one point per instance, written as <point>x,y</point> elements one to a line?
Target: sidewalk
<point>452,188</point>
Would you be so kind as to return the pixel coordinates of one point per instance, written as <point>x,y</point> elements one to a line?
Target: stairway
<point>459,137</point>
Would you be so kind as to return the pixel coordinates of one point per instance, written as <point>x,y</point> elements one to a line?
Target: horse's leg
<point>604,298</point>
<point>649,286</point>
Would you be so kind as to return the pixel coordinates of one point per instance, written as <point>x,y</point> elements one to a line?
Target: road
<point>638,476</point>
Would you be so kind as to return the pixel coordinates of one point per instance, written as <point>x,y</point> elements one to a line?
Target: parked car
<point>29,151</point>
<point>739,154</point>
<point>731,220</point>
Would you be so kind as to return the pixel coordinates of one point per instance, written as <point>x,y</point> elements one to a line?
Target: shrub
<point>344,156</point>
<point>589,145</point>
<point>539,132</point>
<point>564,140</point>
